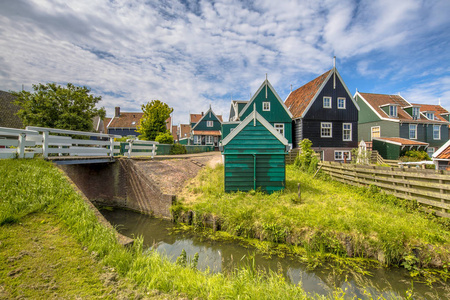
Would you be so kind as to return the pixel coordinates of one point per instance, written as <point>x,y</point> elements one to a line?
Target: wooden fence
<point>430,188</point>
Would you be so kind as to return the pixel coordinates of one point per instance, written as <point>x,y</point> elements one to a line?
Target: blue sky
<point>192,54</point>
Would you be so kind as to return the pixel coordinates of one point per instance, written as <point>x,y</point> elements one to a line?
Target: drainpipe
<point>254,172</point>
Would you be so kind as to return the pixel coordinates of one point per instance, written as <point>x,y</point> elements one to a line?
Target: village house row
<point>324,111</point>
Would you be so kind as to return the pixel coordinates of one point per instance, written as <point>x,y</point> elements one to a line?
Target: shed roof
<point>443,152</point>
<point>207,132</point>
<point>400,141</point>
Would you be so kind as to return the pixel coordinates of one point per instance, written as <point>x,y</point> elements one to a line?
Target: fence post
<point>111,146</point>
<point>153,151</point>
<point>21,148</point>
<point>130,145</point>
<point>45,144</point>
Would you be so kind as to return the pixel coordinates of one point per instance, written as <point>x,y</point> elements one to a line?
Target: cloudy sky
<point>192,54</point>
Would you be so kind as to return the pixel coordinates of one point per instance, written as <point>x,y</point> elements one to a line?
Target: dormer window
<point>326,102</point>
<point>393,111</point>
<point>416,113</point>
<point>429,115</point>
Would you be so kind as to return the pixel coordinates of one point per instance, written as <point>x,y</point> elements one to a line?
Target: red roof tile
<point>402,141</point>
<point>184,130</point>
<point>378,100</point>
<point>194,118</point>
<point>207,132</point>
<point>444,154</point>
<point>436,108</point>
<point>126,119</point>
<point>299,99</point>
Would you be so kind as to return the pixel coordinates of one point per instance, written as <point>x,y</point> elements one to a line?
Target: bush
<point>306,159</point>
<point>164,138</point>
<point>178,149</point>
<point>414,155</point>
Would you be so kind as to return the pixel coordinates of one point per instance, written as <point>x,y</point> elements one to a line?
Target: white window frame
<point>430,151</point>
<point>339,155</point>
<point>324,104</point>
<point>439,132</point>
<point>279,127</point>
<point>209,140</point>
<point>209,123</point>
<point>415,131</point>
<point>197,140</point>
<point>324,126</point>
<point>393,111</point>
<point>430,116</point>
<point>371,132</point>
<point>350,132</point>
<point>343,102</point>
<point>416,113</point>
<point>266,106</point>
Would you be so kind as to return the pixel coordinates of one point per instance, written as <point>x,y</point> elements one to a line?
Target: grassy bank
<point>35,197</point>
<point>330,217</point>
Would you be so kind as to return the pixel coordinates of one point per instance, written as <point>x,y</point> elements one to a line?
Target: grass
<point>330,218</point>
<point>33,193</point>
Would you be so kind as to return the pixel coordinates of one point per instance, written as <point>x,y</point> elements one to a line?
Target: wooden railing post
<point>130,146</point>
<point>45,144</point>
<point>111,147</point>
<point>21,146</point>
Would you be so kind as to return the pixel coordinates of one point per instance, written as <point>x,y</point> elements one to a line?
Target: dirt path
<point>171,173</point>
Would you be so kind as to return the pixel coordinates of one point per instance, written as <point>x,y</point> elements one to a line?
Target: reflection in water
<point>224,257</point>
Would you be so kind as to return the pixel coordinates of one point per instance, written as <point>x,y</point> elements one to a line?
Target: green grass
<point>35,187</point>
<point>330,217</point>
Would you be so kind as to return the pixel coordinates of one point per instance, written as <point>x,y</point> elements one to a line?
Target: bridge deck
<point>76,160</point>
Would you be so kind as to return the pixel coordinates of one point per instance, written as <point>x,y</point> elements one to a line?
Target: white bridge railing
<point>25,143</point>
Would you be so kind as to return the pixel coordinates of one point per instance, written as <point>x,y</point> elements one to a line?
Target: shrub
<point>414,155</point>
<point>306,159</point>
<point>164,138</point>
<point>178,149</point>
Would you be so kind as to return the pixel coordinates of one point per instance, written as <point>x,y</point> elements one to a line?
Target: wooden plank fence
<point>430,188</point>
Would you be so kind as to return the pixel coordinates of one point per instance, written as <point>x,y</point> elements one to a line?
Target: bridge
<point>68,146</point>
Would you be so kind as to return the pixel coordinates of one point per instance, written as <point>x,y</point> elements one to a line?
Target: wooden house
<point>441,157</point>
<point>325,113</point>
<point>206,128</point>
<point>124,123</point>
<point>269,105</point>
<point>254,156</point>
<point>392,116</point>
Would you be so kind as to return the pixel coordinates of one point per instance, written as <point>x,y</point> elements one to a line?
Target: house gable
<point>277,111</point>
<point>208,118</point>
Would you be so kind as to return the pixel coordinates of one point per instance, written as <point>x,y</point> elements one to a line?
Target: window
<point>341,103</point>
<point>280,128</point>
<point>209,139</point>
<point>325,129</point>
<point>197,140</point>
<point>430,115</point>
<point>416,113</point>
<point>430,151</point>
<point>266,106</point>
<point>347,131</point>
<point>393,111</point>
<point>436,132</point>
<point>341,155</point>
<point>413,131</point>
<point>326,102</point>
<point>209,123</point>
<point>375,132</point>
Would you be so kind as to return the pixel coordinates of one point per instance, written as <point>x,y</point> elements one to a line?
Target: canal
<point>216,256</point>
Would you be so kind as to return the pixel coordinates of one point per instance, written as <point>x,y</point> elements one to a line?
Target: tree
<point>154,119</point>
<point>56,106</point>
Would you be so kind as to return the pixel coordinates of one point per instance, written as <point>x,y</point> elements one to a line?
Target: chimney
<point>202,114</point>
<point>117,114</point>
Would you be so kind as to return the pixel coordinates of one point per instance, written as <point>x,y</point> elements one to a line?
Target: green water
<point>223,257</point>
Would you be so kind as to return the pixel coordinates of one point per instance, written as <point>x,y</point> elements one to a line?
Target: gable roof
<point>126,119</point>
<point>267,84</point>
<point>300,100</point>
<point>253,117</point>
<point>436,108</point>
<point>400,141</point>
<point>218,117</point>
<point>236,107</point>
<point>8,117</point>
<point>376,101</point>
<point>443,152</point>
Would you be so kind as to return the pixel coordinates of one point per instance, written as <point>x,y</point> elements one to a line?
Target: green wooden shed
<point>254,156</point>
<point>394,148</point>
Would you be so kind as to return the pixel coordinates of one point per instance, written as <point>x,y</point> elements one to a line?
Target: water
<point>223,257</point>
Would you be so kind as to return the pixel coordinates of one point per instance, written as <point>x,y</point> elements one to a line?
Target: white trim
<point>371,132</point>
<point>331,102</point>
<point>441,149</point>
<point>351,132</point>
<point>209,123</point>
<point>331,130</point>
<point>281,127</point>
<point>257,93</point>
<point>349,158</point>
<point>264,104</point>
<point>440,136</point>
<point>409,132</point>
<point>345,100</point>
<point>243,124</point>
<point>208,111</point>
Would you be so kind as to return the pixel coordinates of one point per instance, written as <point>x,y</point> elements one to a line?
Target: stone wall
<point>120,184</point>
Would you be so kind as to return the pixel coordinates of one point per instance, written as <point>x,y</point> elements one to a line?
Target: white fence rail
<point>141,148</point>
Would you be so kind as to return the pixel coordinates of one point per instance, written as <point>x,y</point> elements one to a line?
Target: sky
<point>193,54</point>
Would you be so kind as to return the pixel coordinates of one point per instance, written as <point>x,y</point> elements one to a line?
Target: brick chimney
<point>202,114</point>
<point>117,114</point>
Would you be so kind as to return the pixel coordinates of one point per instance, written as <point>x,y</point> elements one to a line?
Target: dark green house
<point>254,156</point>
<point>269,105</point>
<point>206,128</point>
<point>392,116</point>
